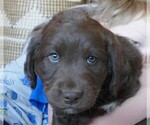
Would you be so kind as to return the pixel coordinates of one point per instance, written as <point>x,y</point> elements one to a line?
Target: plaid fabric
<point>18,19</point>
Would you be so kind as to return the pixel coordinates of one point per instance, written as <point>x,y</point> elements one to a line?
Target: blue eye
<point>91,59</point>
<point>54,57</point>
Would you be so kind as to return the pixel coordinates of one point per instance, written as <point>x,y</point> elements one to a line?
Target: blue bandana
<point>38,97</point>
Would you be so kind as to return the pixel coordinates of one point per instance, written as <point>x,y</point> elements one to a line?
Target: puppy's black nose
<point>71,97</point>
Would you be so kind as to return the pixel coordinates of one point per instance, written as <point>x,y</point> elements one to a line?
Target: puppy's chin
<point>71,111</point>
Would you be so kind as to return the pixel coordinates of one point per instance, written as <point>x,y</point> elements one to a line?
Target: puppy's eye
<point>54,57</point>
<point>91,59</point>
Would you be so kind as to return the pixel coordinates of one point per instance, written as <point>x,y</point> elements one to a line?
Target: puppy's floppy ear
<point>124,65</point>
<point>114,55</point>
<point>32,49</point>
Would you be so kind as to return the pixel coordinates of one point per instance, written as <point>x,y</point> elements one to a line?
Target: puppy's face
<point>73,66</point>
<point>71,58</point>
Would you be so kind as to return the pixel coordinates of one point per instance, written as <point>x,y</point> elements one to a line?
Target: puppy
<point>86,70</point>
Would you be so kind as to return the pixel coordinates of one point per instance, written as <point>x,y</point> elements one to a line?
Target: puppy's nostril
<point>71,97</point>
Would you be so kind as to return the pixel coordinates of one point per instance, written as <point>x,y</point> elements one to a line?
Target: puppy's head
<point>73,55</point>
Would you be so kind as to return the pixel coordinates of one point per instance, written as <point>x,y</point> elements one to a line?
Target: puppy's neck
<point>82,118</point>
<point>64,119</point>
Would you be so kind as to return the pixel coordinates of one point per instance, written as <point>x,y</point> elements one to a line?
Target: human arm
<point>132,110</point>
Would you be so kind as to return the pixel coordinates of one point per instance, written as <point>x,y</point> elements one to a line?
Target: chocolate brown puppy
<point>86,70</point>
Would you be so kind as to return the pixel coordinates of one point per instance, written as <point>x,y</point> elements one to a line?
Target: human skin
<point>132,110</point>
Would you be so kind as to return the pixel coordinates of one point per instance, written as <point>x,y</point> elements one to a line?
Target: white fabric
<point>14,96</point>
